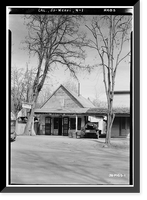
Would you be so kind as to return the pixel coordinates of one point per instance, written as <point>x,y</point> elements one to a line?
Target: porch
<point>61,124</point>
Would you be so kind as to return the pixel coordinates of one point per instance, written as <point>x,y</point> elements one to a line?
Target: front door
<point>59,126</point>
<point>48,126</point>
<point>65,126</point>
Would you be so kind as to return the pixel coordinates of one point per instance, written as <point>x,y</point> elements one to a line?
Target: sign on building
<point>26,105</point>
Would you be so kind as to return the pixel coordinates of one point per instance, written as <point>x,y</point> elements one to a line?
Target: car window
<point>91,126</point>
<point>22,120</point>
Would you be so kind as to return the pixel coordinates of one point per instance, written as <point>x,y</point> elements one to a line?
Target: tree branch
<point>124,57</point>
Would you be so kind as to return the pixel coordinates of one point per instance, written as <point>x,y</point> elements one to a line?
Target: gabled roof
<point>86,103</point>
<point>83,102</point>
<point>85,106</point>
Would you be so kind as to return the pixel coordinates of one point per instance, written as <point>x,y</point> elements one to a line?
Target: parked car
<point>90,130</point>
<point>13,133</point>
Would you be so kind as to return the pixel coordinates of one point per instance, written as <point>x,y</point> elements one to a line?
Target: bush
<point>70,134</point>
<point>78,134</point>
<point>82,132</point>
<point>74,134</point>
<point>83,129</point>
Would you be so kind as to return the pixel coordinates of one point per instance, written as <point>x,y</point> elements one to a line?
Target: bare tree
<point>20,88</point>
<point>110,34</point>
<point>53,39</point>
<point>99,104</point>
<point>28,82</point>
<point>16,91</point>
<point>44,94</point>
<point>71,86</point>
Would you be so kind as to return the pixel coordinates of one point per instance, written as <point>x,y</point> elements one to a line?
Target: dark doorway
<point>59,126</point>
<point>48,126</point>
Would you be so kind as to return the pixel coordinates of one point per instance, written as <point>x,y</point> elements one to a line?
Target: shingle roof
<point>87,107</point>
<point>86,103</point>
<point>85,111</point>
<point>116,110</point>
<point>61,110</point>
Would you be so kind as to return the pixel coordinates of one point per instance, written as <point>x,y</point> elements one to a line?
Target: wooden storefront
<point>65,111</point>
<point>60,125</point>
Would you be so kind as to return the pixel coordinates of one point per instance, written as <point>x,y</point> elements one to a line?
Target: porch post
<point>76,123</point>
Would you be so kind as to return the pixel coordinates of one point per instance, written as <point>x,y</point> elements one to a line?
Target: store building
<point>66,111</point>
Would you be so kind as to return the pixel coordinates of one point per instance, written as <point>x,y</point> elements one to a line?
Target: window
<point>72,123</point>
<point>79,123</point>
<point>55,123</point>
<point>47,120</point>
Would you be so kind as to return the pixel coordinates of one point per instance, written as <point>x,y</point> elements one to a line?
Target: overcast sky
<point>90,84</point>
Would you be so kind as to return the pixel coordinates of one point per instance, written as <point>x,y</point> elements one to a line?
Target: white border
<point>132,100</point>
<point>7,103</point>
<point>70,7</point>
<point>7,97</point>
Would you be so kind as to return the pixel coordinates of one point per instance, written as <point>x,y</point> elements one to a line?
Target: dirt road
<point>62,160</point>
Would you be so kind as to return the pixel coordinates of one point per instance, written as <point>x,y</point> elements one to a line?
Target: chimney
<point>78,89</point>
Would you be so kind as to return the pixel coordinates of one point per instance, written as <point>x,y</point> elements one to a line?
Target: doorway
<point>48,126</point>
<point>60,126</point>
<point>65,126</point>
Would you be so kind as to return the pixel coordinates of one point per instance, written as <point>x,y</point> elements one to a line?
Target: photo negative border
<point>135,139</point>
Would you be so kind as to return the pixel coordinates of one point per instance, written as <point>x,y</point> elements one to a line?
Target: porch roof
<point>82,111</point>
<point>119,111</point>
<point>61,111</point>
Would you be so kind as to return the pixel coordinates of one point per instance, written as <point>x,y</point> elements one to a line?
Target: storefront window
<point>79,123</point>
<point>72,123</point>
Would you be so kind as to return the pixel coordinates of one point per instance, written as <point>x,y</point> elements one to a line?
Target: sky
<point>91,85</point>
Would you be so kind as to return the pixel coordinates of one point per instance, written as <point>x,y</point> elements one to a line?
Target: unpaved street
<point>63,160</point>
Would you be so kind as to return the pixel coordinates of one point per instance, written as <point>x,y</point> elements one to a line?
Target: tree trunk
<point>28,128</point>
<point>109,127</point>
<point>110,119</point>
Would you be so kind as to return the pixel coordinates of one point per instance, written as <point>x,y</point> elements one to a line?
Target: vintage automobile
<point>90,130</point>
<point>12,131</point>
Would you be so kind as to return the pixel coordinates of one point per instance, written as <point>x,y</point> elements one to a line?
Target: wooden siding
<point>62,99</point>
<point>116,127</point>
<point>121,127</point>
<point>55,131</point>
<point>19,128</point>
